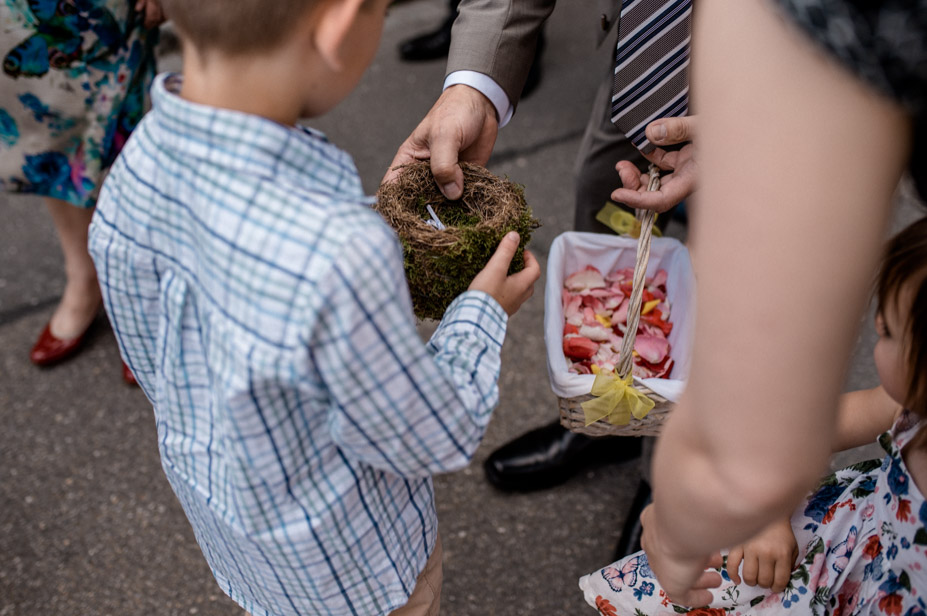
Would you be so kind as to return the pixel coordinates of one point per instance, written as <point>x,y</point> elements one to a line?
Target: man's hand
<point>685,580</point>
<point>154,14</point>
<point>768,558</point>
<point>510,291</point>
<point>675,186</point>
<point>461,126</point>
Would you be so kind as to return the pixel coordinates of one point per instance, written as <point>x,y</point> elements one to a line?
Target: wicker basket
<point>572,415</point>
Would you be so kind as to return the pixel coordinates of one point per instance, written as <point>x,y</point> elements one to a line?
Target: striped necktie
<point>651,65</point>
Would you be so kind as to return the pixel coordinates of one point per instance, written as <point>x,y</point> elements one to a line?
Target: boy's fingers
<point>502,258</point>
<point>527,276</point>
<point>532,270</point>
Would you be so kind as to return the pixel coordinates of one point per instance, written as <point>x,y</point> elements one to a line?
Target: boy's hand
<point>510,291</point>
<point>768,558</point>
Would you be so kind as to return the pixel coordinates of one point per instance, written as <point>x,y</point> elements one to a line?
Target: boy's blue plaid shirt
<point>263,308</point>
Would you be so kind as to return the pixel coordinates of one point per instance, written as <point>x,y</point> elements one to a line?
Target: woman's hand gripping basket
<point>618,402</point>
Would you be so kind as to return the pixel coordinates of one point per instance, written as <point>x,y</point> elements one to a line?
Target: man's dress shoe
<point>548,456</point>
<point>429,46</point>
<point>49,349</point>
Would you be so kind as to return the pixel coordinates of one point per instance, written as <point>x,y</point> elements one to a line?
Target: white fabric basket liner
<point>572,251</point>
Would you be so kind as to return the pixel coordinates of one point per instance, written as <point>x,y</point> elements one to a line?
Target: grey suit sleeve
<point>498,38</point>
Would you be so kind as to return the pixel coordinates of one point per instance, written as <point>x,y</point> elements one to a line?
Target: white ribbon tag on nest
<point>434,221</point>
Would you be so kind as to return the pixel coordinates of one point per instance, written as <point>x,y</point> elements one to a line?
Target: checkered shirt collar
<point>250,142</point>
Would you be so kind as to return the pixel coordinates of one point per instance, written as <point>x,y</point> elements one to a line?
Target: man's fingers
<point>670,131</point>
<point>445,168</point>
<point>631,176</point>
<point>659,200</point>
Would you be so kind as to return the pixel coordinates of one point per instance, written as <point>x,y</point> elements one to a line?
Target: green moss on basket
<point>440,264</point>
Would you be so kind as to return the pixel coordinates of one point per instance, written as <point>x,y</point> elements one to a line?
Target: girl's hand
<point>154,14</point>
<point>768,558</point>
<point>510,291</point>
<point>685,580</point>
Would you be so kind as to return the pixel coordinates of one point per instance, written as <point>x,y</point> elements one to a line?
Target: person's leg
<point>81,298</point>
<point>549,455</point>
<point>425,599</point>
<point>431,45</point>
<point>594,173</point>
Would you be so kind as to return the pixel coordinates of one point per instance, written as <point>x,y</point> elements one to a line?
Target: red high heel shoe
<point>49,349</point>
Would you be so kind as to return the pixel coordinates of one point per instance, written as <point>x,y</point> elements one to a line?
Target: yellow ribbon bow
<point>616,401</point>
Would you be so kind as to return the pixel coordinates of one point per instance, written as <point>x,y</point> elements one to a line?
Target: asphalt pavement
<point>88,523</point>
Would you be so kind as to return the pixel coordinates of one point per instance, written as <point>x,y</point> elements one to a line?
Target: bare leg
<point>81,298</point>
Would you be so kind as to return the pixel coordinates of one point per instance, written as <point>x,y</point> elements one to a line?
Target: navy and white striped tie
<point>651,65</point>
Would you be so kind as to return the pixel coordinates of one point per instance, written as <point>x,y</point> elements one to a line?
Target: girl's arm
<point>862,416</point>
<point>799,161</point>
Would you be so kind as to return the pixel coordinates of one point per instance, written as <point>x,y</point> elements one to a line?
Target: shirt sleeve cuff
<point>475,309</point>
<point>487,86</point>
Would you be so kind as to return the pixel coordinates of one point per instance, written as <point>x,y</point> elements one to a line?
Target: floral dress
<point>862,543</point>
<point>75,82</point>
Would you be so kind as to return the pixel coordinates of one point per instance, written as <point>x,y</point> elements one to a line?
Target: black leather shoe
<point>630,540</point>
<point>550,455</point>
<point>429,46</point>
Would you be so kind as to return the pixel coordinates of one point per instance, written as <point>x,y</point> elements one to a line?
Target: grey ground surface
<point>89,525</point>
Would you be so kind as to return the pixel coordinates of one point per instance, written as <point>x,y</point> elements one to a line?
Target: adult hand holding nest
<point>461,126</point>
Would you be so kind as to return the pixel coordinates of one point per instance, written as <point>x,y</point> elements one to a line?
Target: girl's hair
<point>904,274</point>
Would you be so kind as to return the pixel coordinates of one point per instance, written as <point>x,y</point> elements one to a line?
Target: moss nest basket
<point>441,263</point>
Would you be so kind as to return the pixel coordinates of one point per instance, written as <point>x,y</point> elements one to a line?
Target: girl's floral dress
<point>75,82</point>
<point>862,543</point>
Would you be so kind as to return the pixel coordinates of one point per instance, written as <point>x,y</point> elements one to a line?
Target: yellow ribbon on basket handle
<point>617,400</point>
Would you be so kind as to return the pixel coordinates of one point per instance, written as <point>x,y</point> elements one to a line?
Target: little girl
<point>862,535</point>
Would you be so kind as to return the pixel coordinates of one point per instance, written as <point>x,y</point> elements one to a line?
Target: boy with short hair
<point>263,308</point>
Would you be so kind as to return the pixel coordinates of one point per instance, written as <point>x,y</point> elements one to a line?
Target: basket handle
<point>646,218</point>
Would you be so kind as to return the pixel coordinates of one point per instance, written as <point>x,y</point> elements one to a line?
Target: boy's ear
<point>333,21</point>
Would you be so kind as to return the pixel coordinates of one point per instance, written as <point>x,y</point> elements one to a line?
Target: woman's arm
<point>799,163</point>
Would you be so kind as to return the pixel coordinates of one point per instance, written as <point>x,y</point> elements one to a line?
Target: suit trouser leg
<point>602,146</point>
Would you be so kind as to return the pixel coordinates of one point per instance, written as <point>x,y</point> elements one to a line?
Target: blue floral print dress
<point>75,83</point>
<point>862,541</point>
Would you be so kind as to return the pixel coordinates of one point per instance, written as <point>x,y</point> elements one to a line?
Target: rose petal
<point>578,347</point>
<point>652,349</point>
<point>588,278</point>
<point>597,332</point>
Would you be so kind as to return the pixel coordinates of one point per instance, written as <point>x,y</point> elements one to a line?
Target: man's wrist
<point>492,92</point>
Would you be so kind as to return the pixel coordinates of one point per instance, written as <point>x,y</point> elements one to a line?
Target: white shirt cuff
<point>487,86</point>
